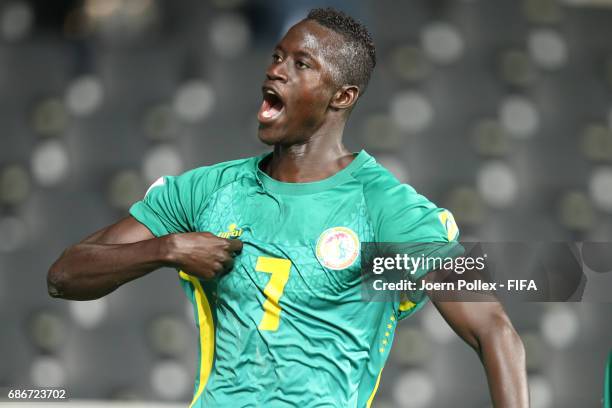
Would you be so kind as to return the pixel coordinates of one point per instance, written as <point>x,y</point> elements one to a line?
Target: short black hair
<point>357,60</point>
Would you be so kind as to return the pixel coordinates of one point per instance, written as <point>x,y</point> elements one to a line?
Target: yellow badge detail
<point>232,232</point>
<point>448,221</point>
<point>337,248</point>
<point>406,305</point>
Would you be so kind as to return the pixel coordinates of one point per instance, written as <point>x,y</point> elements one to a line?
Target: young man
<point>268,247</point>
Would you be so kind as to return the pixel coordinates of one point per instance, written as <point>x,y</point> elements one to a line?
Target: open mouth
<point>271,107</point>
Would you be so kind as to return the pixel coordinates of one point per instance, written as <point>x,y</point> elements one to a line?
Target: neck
<point>319,157</point>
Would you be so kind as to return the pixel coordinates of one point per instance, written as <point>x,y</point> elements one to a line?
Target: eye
<point>276,58</point>
<point>301,65</point>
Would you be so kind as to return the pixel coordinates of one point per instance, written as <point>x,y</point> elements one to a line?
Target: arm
<point>488,330</point>
<point>126,251</point>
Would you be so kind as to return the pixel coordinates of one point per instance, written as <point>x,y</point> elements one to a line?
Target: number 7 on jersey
<point>279,268</point>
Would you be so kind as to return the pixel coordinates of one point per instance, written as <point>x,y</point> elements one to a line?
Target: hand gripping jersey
<point>287,326</point>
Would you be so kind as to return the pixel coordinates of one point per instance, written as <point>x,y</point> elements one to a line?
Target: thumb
<point>235,246</point>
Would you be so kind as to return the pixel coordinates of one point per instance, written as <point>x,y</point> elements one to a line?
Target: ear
<point>345,97</point>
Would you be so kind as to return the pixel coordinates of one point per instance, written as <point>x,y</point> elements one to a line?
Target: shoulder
<point>398,211</point>
<point>382,190</point>
<point>217,175</point>
<point>226,170</point>
<point>201,181</point>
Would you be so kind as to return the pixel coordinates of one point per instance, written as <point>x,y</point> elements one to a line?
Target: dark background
<point>498,110</point>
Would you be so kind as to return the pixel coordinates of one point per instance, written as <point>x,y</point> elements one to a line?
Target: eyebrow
<point>304,54</point>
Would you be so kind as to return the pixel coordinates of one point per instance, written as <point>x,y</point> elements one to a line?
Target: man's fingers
<point>228,265</point>
<point>235,246</point>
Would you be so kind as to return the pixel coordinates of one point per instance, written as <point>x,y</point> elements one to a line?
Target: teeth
<point>271,107</point>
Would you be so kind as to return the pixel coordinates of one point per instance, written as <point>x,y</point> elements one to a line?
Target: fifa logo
<point>232,232</point>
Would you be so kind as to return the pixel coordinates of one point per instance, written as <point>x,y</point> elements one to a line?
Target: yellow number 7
<point>279,268</point>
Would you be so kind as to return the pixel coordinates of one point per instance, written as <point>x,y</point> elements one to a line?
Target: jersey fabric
<point>287,326</point>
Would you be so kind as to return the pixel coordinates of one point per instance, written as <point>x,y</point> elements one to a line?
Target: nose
<point>276,71</point>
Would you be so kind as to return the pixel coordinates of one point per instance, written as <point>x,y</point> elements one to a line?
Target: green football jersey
<point>287,326</point>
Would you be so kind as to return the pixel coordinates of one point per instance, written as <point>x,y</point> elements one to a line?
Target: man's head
<point>356,57</point>
<point>318,71</point>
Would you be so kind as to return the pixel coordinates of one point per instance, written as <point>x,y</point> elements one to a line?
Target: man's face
<point>299,84</point>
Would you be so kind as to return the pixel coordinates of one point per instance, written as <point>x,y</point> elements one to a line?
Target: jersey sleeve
<point>172,203</point>
<point>410,217</point>
<point>420,229</point>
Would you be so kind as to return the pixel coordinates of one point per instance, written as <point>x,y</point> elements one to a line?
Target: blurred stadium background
<point>499,110</point>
